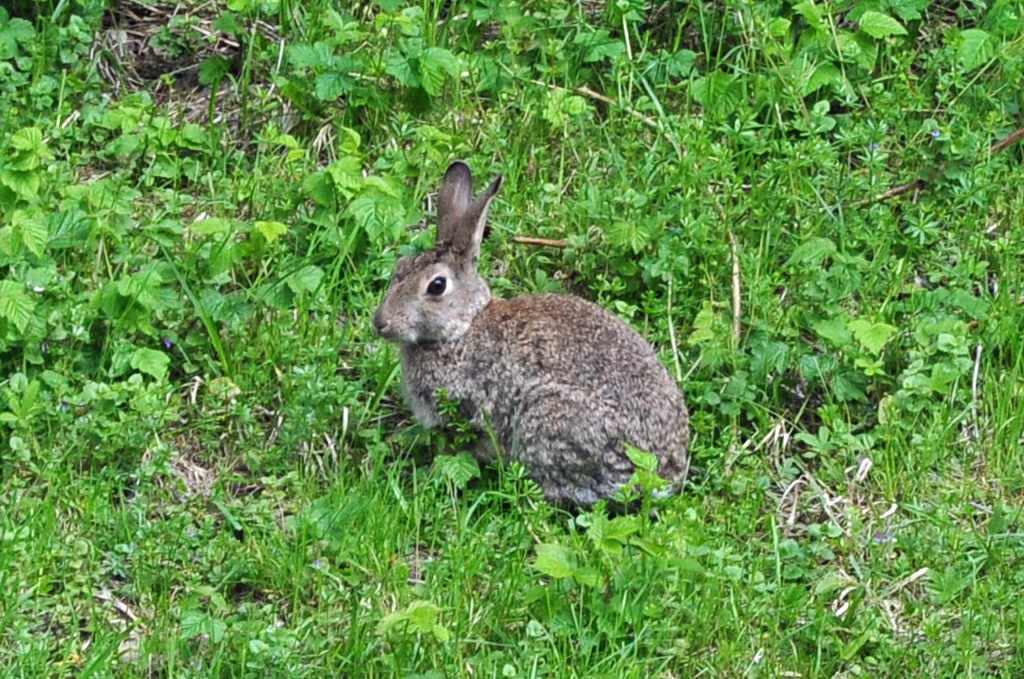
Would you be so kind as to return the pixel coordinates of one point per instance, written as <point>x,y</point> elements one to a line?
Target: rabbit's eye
<point>437,286</point>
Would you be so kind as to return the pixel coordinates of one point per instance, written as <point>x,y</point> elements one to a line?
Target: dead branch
<point>542,242</point>
<point>918,184</point>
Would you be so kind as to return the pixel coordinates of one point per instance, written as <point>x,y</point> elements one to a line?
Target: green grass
<point>205,466</point>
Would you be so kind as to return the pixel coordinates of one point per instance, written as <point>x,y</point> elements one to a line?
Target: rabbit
<point>560,383</point>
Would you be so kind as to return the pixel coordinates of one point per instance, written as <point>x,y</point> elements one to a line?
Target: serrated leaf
<point>306,279</point>
<point>641,458</point>
<point>808,10</point>
<point>872,336</point>
<point>399,67</point>
<point>976,48</point>
<point>24,183</point>
<point>858,47</point>
<point>347,175</point>
<point>378,215</point>
<point>834,330</point>
<point>555,561</point>
<point>213,69</point>
<point>419,617</point>
<point>680,64</point>
<point>718,93</point>
<point>151,362</point>
<point>27,139</point>
<point>909,10</point>
<point>227,22</point>
<point>823,74</point>
<point>34,231</point>
<point>68,228</point>
<point>15,304</point>
<point>310,56</point>
<point>331,85</point>
<point>271,231</point>
<point>599,45</point>
<point>196,623</point>
<point>812,253</point>
<point>629,235</point>
<point>435,64</point>
<point>459,469</point>
<point>879,25</point>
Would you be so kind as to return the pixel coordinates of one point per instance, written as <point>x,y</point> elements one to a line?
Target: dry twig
<point>542,242</point>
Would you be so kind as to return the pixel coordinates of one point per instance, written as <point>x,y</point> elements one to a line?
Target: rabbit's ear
<point>454,198</point>
<point>469,232</point>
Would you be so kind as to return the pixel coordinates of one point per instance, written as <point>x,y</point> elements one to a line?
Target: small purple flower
<point>873,146</point>
<point>884,537</point>
<point>936,134</point>
<point>167,343</point>
<point>191,533</point>
<point>64,405</point>
<point>317,564</point>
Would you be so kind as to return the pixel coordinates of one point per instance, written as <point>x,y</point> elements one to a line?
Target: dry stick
<point>920,183</point>
<point>587,92</point>
<point>543,242</point>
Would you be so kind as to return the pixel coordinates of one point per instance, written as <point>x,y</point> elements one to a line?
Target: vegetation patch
<point>810,209</point>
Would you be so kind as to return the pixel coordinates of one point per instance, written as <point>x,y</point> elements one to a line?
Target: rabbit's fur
<point>561,382</point>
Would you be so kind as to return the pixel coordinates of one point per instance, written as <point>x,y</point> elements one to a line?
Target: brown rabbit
<point>561,382</point>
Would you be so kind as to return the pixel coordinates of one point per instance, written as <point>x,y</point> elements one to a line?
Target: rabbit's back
<point>562,383</point>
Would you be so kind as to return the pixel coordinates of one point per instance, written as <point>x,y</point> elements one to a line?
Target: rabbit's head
<point>435,296</point>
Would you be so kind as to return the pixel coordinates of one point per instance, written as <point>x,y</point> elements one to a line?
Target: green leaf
<point>629,235</point>
<point>310,56</point>
<point>872,336</point>
<point>379,215</point>
<point>27,139</point>
<point>331,85</point>
<point>825,73</point>
<point>879,25</point>
<point>859,48</point>
<point>227,22</point>
<point>779,27</point>
<point>151,362</point>
<point>213,69</point>
<point>976,48</point>
<point>306,279</point>
<point>15,304</point>
<point>812,253</point>
<point>459,469</point>
<point>599,45</point>
<point>641,458</point>
<point>909,10</point>
<point>834,330</point>
<point>271,231</point>
<point>347,175</point>
<point>555,561</point>
<point>211,226</point>
<point>68,229</point>
<point>399,67</point>
<point>24,183</point>
<point>808,10</point>
<point>16,31</point>
<point>718,93</point>
<point>435,64</point>
<point>34,231</point>
<point>419,617</point>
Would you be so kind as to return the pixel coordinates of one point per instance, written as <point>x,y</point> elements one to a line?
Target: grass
<point>810,210</point>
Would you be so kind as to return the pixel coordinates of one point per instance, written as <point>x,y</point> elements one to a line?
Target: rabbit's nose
<point>379,324</point>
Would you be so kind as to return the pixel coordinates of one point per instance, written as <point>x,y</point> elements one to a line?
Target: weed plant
<point>813,210</point>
